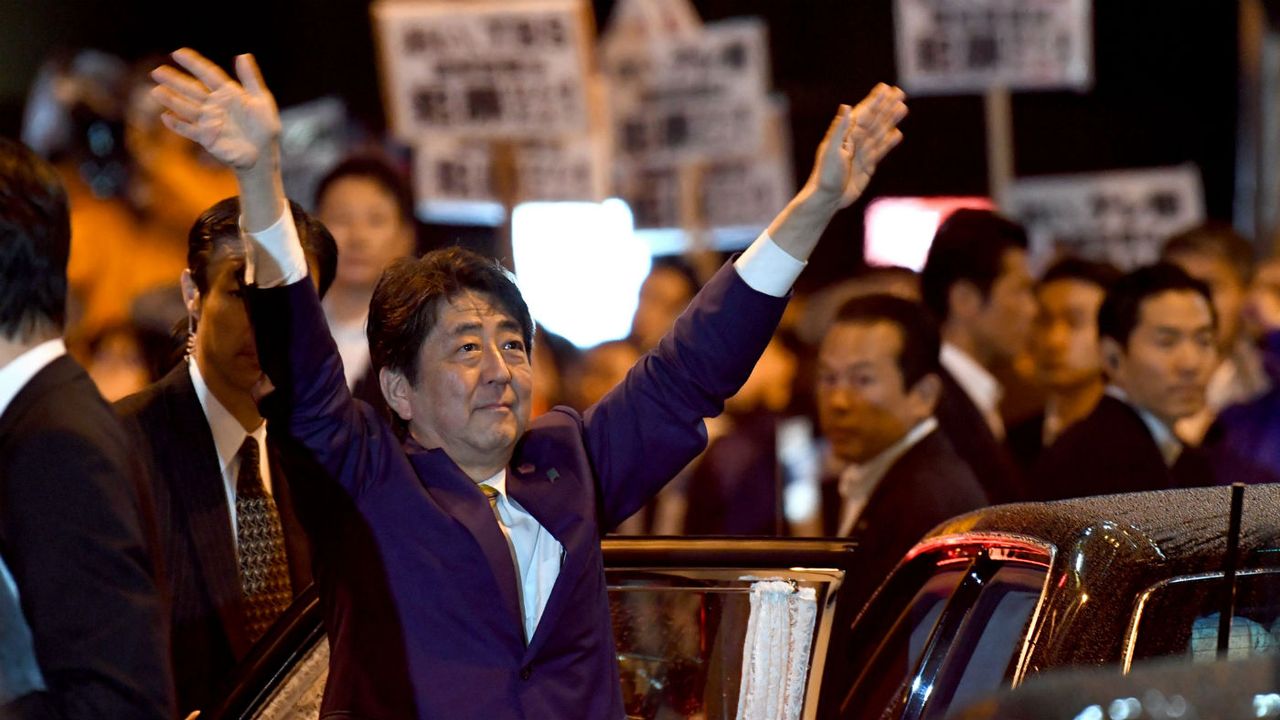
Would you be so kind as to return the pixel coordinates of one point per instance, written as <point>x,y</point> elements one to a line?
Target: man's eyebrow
<point>510,325</point>
<point>465,328</point>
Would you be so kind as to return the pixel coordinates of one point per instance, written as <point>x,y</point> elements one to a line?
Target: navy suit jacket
<point>171,435</point>
<point>416,579</point>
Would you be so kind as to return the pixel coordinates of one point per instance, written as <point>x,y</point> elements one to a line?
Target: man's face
<point>368,228</point>
<point>225,347</point>
<point>474,384</point>
<point>1171,354</point>
<point>1003,325</point>
<point>1226,288</point>
<point>863,407</point>
<point>663,296</point>
<point>1064,337</point>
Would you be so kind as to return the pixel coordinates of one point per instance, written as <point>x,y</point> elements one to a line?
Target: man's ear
<point>924,395</point>
<point>1112,354</point>
<point>964,300</point>
<point>190,295</point>
<point>396,390</point>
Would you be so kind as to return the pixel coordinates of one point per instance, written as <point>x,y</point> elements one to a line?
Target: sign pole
<point>999,115</point>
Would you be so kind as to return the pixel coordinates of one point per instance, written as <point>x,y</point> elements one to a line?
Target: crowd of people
<point>313,395</point>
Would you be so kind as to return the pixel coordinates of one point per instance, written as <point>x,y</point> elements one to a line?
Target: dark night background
<point>1165,93</point>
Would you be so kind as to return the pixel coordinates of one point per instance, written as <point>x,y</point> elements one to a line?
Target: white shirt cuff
<point>274,256</point>
<point>767,268</point>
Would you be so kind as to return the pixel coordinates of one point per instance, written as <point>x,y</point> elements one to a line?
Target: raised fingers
<point>205,71</point>
<point>180,105</point>
<point>180,83</point>
<point>249,74</point>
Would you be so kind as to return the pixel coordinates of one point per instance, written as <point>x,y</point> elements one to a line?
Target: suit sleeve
<point>650,426</point>
<point>311,398</point>
<point>80,560</point>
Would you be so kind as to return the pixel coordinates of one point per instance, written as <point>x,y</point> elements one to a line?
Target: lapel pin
<point>552,474</point>
<point>525,469</point>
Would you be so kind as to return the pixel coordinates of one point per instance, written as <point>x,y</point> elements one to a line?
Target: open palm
<point>236,122</point>
<point>855,143</point>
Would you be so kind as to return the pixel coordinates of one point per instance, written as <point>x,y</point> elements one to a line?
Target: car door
<point>682,614</point>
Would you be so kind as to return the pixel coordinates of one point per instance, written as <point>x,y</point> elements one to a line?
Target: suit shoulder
<point>937,471</point>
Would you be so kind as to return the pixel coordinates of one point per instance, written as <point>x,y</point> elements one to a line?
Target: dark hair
<point>921,344</point>
<point>1102,274</point>
<point>35,241</point>
<point>377,170</point>
<point>1216,239</point>
<point>1120,311</point>
<point>969,245</point>
<point>679,266</point>
<point>407,299</point>
<point>220,225</point>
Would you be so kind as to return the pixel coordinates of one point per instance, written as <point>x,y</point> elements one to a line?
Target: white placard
<point>954,47</point>
<point>1122,216</point>
<point>683,99</point>
<point>450,168</point>
<point>492,69</point>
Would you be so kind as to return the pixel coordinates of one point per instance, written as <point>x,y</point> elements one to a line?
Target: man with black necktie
<point>235,553</point>
<point>75,538</point>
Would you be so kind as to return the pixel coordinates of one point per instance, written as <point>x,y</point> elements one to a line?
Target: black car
<point>985,601</point>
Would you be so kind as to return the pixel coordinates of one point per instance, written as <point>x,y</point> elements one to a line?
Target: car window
<point>680,636</point>
<point>1180,616</point>
<point>298,696</point>
<point>980,660</point>
<point>894,630</point>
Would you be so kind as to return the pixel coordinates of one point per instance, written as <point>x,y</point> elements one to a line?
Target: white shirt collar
<point>228,433</point>
<point>978,383</point>
<point>857,482</point>
<point>1168,443</point>
<point>18,372</point>
<point>498,482</point>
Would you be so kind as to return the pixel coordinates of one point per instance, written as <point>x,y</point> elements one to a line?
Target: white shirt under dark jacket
<point>18,372</point>
<point>274,257</point>
<point>858,482</point>
<point>228,436</point>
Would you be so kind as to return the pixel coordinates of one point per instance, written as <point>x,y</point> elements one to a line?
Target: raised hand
<point>236,122</point>
<point>856,141</point>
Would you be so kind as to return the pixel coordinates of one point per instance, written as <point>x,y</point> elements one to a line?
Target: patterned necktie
<point>264,568</point>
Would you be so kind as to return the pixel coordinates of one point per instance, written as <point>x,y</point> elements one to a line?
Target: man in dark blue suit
<point>461,570</point>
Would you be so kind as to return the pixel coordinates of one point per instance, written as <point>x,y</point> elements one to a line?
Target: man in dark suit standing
<point>1157,337</point>
<point>469,581</point>
<point>976,283</point>
<point>877,388</point>
<point>73,518</point>
<point>222,501</point>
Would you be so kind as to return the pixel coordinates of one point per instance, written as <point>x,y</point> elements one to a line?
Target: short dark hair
<point>377,170</point>
<point>407,299</point>
<point>35,242</point>
<point>1101,274</point>
<point>969,245</point>
<point>1120,311</point>
<point>220,225</point>
<point>1216,239</point>
<point>920,340</point>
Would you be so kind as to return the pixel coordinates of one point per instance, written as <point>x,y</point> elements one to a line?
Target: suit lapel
<point>548,493</point>
<point>297,550</point>
<point>459,497</point>
<point>199,489</point>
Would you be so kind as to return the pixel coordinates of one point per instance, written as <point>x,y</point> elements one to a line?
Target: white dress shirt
<point>978,383</point>
<point>274,257</point>
<point>1168,443</point>
<point>20,370</point>
<point>228,436</point>
<point>858,482</point>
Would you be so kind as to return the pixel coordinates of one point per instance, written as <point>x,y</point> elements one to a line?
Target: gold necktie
<point>264,567</point>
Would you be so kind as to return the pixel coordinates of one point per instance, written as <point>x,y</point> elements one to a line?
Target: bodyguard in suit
<point>80,556</point>
<point>877,388</point>
<point>1157,337</point>
<point>976,283</point>
<point>235,553</point>
<point>469,580</point>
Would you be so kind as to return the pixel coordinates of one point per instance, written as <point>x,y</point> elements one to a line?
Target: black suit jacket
<point>927,485</point>
<point>74,533</point>
<point>169,430</point>
<point>974,442</point>
<point>1112,451</point>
